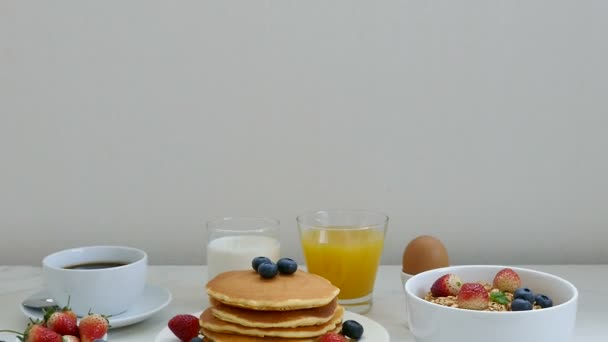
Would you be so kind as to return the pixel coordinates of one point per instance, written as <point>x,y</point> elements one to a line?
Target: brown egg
<point>424,253</point>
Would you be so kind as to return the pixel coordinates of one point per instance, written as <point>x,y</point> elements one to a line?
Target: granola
<point>493,306</point>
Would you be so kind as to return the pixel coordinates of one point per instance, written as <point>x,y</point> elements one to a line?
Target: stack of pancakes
<point>246,307</point>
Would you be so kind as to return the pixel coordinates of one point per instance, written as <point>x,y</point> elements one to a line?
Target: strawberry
<point>61,322</point>
<point>446,285</point>
<point>473,296</point>
<point>93,327</point>
<point>67,310</point>
<point>70,338</point>
<point>185,327</point>
<point>507,280</point>
<point>37,333</point>
<point>332,337</point>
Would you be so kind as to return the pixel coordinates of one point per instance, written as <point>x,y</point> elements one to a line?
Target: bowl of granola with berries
<point>476,303</point>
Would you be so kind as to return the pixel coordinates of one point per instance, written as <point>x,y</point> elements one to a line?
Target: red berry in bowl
<point>447,285</point>
<point>507,280</point>
<point>473,296</point>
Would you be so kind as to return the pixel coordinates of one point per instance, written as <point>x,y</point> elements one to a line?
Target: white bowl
<point>404,278</point>
<point>431,322</point>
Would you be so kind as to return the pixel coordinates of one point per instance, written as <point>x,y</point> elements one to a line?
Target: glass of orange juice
<point>345,246</point>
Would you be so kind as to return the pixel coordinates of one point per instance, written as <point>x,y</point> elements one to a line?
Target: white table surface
<point>186,283</point>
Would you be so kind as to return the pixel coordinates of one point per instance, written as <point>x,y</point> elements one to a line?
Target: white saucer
<point>153,300</point>
<point>372,331</point>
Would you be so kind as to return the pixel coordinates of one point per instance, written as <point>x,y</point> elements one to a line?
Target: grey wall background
<point>481,122</point>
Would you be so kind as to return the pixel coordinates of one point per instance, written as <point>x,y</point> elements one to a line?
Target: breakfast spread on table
<point>264,298</point>
<point>504,294</point>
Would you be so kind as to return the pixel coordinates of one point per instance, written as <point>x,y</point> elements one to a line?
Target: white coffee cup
<point>107,291</point>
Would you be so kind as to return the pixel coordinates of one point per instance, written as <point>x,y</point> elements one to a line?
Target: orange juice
<point>346,256</point>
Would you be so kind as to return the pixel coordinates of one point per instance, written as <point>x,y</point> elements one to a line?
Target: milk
<point>236,252</point>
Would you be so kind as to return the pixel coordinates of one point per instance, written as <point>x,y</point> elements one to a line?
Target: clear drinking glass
<point>345,246</point>
<point>234,241</point>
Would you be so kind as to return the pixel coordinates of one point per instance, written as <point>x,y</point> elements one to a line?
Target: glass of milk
<point>234,241</point>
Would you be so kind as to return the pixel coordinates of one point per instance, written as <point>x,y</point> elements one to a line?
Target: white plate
<point>372,331</point>
<point>153,300</point>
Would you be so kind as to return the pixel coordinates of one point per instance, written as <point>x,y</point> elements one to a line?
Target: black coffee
<point>96,265</point>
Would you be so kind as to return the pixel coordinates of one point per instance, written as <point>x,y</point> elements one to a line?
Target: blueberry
<point>352,329</point>
<point>268,270</point>
<point>196,339</point>
<point>524,293</point>
<point>520,304</point>
<point>287,266</point>
<point>543,301</point>
<point>257,261</point>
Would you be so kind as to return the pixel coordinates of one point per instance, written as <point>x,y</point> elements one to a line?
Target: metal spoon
<point>39,303</point>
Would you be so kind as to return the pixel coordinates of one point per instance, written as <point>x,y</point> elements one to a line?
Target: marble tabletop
<point>186,284</point>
